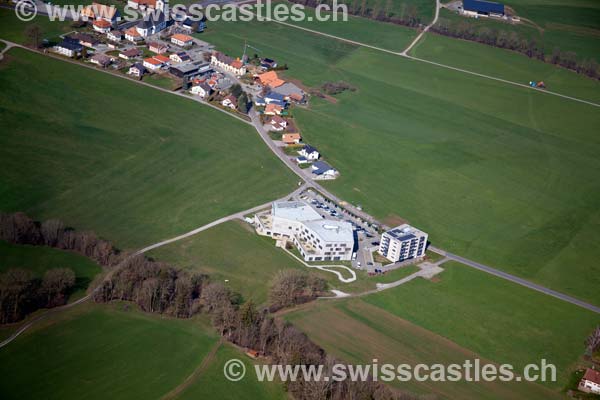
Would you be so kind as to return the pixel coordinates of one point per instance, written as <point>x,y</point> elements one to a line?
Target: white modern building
<point>403,243</point>
<point>316,238</point>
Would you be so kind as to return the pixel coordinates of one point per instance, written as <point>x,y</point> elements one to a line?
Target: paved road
<point>515,279</point>
<point>41,317</point>
<point>465,71</point>
<point>238,215</point>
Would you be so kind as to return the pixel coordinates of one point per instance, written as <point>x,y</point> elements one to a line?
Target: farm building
<point>476,8</point>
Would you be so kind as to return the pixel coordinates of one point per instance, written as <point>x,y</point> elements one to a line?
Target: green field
<point>497,319</point>
<point>100,352</point>
<point>133,164</point>
<point>385,35</point>
<point>39,259</point>
<point>357,332</point>
<point>497,173</point>
<point>397,8</point>
<point>505,64</point>
<point>13,30</point>
<point>212,384</point>
<point>568,25</point>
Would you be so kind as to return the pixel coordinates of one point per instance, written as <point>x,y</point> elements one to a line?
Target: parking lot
<point>365,235</point>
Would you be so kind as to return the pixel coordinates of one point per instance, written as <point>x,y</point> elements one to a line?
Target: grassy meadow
<point>568,25</point>
<point>497,319</point>
<point>234,252</point>
<point>14,30</point>
<point>212,384</point>
<point>357,332</point>
<point>99,352</point>
<point>133,164</point>
<point>39,259</point>
<point>505,64</point>
<point>500,174</point>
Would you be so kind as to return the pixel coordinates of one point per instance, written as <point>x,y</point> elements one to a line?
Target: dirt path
<point>206,361</point>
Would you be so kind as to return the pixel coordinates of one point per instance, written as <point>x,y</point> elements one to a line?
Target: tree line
<point>379,10</point>
<point>513,41</point>
<point>160,288</point>
<point>18,228</point>
<point>22,293</point>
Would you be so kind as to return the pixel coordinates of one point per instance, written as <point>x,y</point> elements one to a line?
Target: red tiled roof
<point>161,58</point>
<point>102,23</point>
<point>182,38</point>
<point>152,61</point>
<point>592,375</point>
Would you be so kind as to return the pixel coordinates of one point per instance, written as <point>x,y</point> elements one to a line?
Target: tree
<point>236,90</point>
<point>33,33</point>
<point>56,284</point>
<point>243,103</point>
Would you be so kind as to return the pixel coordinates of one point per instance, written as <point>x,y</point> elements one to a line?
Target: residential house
<point>102,26</point>
<point>275,98</point>
<point>273,109</point>
<point>162,59</point>
<point>151,24</point>
<point>291,138</point>
<point>291,92</point>
<point>100,12</point>
<point>115,36</point>
<point>230,101</point>
<point>137,70</point>
<point>69,47</point>
<point>158,48</point>
<point>270,79</point>
<point>309,152</point>
<point>84,39</point>
<point>301,160</point>
<point>182,40</point>
<point>277,123</point>
<point>202,90</point>
<point>267,63</point>
<point>323,170</point>
<point>130,53</point>
<point>101,60</point>
<point>189,26</point>
<point>148,5</point>
<point>152,64</point>
<point>190,70</point>
<point>133,35</point>
<point>180,57</point>
<point>228,64</point>
<point>590,383</point>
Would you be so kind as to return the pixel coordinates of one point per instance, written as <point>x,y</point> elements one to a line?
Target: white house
<point>137,70</point>
<point>180,57</point>
<point>69,48</point>
<point>114,36</point>
<point>230,101</point>
<point>133,35</point>
<point>102,26</point>
<point>158,48</point>
<point>202,90</point>
<point>182,40</point>
<point>316,238</point>
<point>590,382</point>
<point>309,152</point>
<point>403,243</point>
<point>228,64</point>
<point>148,5</point>
<point>323,170</point>
<point>152,64</point>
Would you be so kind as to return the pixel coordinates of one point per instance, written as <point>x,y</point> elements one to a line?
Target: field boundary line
<point>196,373</point>
<point>515,279</point>
<point>462,70</point>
